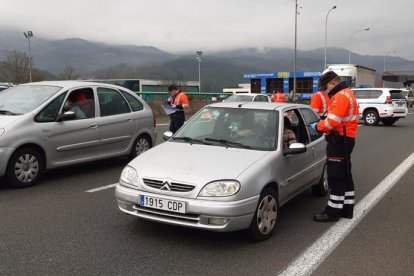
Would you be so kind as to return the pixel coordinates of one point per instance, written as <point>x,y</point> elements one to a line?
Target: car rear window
<point>397,94</point>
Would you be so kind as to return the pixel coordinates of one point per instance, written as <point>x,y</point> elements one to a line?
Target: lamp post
<point>350,42</point>
<point>294,62</point>
<point>326,31</point>
<point>199,53</point>
<point>385,56</point>
<point>28,35</point>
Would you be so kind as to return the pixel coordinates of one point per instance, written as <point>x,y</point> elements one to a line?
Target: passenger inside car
<point>289,136</point>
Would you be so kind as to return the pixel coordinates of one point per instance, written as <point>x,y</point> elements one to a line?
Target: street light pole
<point>350,42</point>
<point>28,35</point>
<point>294,62</point>
<point>199,53</point>
<point>385,56</point>
<point>326,31</point>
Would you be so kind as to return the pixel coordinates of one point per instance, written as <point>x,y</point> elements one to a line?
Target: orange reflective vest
<point>279,97</point>
<point>319,102</point>
<point>342,111</point>
<point>181,99</point>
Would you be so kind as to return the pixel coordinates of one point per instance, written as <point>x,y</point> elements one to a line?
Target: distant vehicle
<point>355,75</point>
<point>3,87</point>
<point>387,105</point>
<point>409,95</point>
<point>248,97</point>
<point>47,125</point>
<point>213,174</point>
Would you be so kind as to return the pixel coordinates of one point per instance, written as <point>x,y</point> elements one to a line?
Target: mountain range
<point>218,69</point>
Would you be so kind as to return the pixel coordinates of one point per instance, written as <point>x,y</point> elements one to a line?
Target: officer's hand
<point>169,100</point>
<point>313,126</point>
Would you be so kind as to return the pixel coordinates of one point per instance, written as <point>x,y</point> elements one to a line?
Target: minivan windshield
<point>232,127</point>
<point>25,98</point>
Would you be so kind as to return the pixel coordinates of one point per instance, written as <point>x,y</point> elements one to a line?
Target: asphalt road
<point>57,228</point>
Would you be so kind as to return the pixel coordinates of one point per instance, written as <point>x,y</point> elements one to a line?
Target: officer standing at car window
<point>179,102</point>
<point>340,127</point>
<point>319,103</point>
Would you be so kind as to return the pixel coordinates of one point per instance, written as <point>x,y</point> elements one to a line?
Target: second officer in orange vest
<point>319,103</point>
<point>340,127</point>
<point>179,102</point>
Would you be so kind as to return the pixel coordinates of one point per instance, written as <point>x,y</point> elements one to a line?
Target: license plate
<point>162,204</point>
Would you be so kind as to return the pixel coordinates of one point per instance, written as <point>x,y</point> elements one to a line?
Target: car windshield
<point>25,98</point>
<point>232,127</point>
<point>240,98</point>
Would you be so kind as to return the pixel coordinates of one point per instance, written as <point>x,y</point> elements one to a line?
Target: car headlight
<point>130,176</point>
<point>2,130</point>
<point>220,188</point>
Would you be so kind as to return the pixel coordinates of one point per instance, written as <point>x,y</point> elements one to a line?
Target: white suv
<point>387,105</point>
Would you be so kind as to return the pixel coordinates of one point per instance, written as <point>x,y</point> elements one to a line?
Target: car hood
<point>194,163</point>
<point>6,120</point>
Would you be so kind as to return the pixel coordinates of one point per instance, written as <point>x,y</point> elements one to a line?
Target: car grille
<point>174,186</point>
<point>154,213</point>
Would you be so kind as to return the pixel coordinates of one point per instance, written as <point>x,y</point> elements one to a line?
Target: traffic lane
<point>74,225</point>
<point>382,244</point>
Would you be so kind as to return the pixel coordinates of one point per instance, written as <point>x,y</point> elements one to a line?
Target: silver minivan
<point>51,124</point>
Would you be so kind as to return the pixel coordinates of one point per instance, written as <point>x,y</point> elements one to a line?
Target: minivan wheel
<point>24,168</point>
<point>264,222</point>
<point>322,188</point>
<point>371,118</point>
<point>141,144</point>
<point>389,121</point>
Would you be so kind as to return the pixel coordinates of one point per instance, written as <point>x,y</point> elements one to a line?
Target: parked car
<point>387,105</point>
<point>248,97</point>
<point>47,125</point>
<point>216,175</point>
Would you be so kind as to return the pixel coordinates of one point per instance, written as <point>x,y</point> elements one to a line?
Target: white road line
<point>314,255</point>
<point>101,188</point>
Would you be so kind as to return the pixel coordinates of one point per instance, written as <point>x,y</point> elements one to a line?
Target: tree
<point>15,68</point>
<point>68,73</point>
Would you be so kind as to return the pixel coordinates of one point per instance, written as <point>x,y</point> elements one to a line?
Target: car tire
<point>389,121</point>
<point>24,168</point>
<point>322,188</point>
<point>371,118</point>
<point>266,216</point>
<point>141,144</point>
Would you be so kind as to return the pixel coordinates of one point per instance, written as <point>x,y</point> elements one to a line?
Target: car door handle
<point>94,126</point>
<point>129,119</point>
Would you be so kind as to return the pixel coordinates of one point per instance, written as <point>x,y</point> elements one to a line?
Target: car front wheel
<point>24,168</point>
<point>266,216</point>
<point>371,118</point>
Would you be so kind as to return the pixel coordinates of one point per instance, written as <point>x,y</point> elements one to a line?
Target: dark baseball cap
<point>172,87</point>
<point>325,79</point>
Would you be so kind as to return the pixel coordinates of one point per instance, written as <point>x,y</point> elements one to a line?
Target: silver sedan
<point>230,167</point>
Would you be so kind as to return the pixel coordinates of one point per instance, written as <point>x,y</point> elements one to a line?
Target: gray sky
<point>208,25</point>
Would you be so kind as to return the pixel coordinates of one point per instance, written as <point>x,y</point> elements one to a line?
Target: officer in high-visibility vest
<point>279,97</point>
<point>319,103</point>
<point>340,127</point>
<point>179,102</point>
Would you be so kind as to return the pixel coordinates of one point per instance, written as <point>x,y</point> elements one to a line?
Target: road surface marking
<point>101,188</point>
<point>314,255</point>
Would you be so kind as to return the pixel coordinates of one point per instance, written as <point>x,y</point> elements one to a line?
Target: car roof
<point>68,84</point>
<point>258,105</point>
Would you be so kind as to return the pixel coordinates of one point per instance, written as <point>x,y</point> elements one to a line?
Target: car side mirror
<point>167,135</point>
<point>295,148</point>
<point>67,116</point>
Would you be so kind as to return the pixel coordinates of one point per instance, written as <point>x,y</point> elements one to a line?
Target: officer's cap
<point>325,79</point>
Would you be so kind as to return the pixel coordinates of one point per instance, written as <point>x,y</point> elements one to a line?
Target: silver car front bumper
<point>199,213</point>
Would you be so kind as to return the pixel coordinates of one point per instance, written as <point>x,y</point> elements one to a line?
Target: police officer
<point>340,128</point>
<point>278,97</point>
<point>179,101</point>
<point>319,103</point>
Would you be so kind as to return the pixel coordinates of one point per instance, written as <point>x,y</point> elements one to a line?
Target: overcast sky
<point>188,25</point>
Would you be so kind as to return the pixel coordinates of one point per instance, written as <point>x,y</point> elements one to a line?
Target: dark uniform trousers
<point>177,120</point>
<point>342,195</point>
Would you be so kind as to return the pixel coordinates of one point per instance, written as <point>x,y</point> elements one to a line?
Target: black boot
<point>325,217</point>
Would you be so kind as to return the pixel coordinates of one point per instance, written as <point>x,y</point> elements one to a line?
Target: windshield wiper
<point>191,140</point>
<point>228,143</point>
<point>7,112</point>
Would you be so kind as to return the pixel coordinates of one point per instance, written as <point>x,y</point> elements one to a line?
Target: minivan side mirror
<point>295,148</point>
<point>67,116</point>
